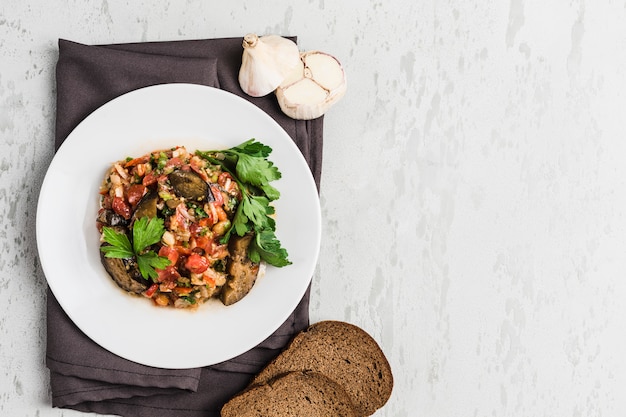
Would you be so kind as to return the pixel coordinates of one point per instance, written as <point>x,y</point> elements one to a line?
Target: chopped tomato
<point>137,161</point>
<point>150,178</point>
<point>206,221</point>
<point>151,290</point>
<point>174,162</point>
<point>169,274</point>
<point>121,207</point>
<point>223,178</point>
<point>182,250</point>
<point>204,243</point>
<point>201,228</point>
<point>219,198</point>
<point>167,286</point>
<point>197,264</point>
<point>169,253</point>
<point>135,192</point>
<point>195,229</point>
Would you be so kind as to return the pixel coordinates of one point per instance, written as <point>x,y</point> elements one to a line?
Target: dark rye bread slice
<point>302,394</point>
<point>344,353</point>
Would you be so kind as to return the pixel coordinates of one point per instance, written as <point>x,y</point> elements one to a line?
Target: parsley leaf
<point>147,262</point>
<point>256,171</point>
<point>120,245</point>
<point>257,210</point>
<point>146,232</point>
<point>252,147</point>
<point>266,246</point>
<point>271,192</point>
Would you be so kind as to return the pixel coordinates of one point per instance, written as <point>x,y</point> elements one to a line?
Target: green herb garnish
<point>266,246</point>
<point>146,232</point>
<point>247,163</point>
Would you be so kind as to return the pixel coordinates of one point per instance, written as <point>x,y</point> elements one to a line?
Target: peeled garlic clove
<point>265,63</point>
<point>317,83</point>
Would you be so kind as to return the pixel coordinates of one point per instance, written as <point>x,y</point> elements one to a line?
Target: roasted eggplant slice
<point>111,218</point>
<point>189,185</point>
<point>125,273</point>
<point>147,206</point>
<point>241,270</point>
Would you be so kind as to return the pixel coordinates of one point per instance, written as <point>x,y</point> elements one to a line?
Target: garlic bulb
<point>265,63</point>
<point>315,85</point>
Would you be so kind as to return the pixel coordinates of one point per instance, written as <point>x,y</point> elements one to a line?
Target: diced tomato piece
<point>149,179</point>
<point>206,221</point>
<point>169,274</point>
<point>135,192</point>
<point>182,250</point>
<point>223,178</point>
<point>169,253</point>
<point>167,286</point>
<point>151,290</point>
<point>202,227</point>
<point>195,229</point>
<point>137,161</point>
<point>121,207</point>
<point>174,162</point>
<point>219,198</point>
<point>197,264</point>
<point>204,243</point>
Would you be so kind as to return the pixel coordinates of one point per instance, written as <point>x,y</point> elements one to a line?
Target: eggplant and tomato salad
<point>183,227</point>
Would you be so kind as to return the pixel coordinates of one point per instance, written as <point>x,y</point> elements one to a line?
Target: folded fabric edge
<point>106,393</point>
<point>160,378</point>
<point>121,408</point>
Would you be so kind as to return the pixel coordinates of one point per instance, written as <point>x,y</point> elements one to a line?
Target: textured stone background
<point>473,192</point>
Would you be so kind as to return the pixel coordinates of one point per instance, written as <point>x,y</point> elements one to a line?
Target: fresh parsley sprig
<point>250,167</point>
<point>146,232</point>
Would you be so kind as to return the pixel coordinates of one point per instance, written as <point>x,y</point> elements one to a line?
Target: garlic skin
<point>317,83</point>
<point>265,63</point>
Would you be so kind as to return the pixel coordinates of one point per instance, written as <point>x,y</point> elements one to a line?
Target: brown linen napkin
<point>84,376</point>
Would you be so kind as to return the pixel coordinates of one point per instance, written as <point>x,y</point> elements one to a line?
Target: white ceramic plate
<point>153,118</point>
